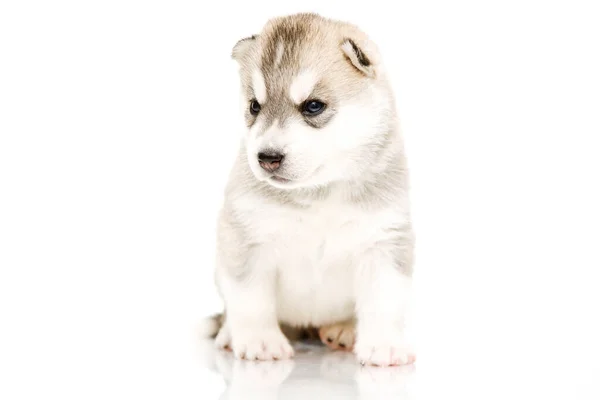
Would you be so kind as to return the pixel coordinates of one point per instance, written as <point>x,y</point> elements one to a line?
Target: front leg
<point>250,304</point>
<point>383,285</point>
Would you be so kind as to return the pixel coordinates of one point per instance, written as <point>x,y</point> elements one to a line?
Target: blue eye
<point>313,107</point>
<point>254,107</point>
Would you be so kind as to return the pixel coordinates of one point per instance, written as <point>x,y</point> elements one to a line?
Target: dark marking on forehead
<point>290,34</point>
<point>278,109</point>
<point>287,46</point>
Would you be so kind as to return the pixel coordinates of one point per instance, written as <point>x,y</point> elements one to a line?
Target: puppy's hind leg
<point>339,336</point>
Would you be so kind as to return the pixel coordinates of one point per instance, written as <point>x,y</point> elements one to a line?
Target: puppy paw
<point>262,345</point>
<point>384,355</point>
<point>338,336</point>
<point>382,349</point>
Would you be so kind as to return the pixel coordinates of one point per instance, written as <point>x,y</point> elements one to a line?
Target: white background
<point>118,122</point>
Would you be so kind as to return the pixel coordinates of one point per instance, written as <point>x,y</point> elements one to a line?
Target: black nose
<point>270,161</point>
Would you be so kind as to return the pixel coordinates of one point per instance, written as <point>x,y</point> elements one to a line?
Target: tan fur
<point>288,45</point>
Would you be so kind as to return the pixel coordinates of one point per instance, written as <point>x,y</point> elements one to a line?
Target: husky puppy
<point>315,229</point>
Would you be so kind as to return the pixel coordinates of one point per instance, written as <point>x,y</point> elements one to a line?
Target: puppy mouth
<point>279,179</point>
<point>287,183</point>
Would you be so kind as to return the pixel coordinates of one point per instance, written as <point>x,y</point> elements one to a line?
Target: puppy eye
<point>313,107</point>
<point>254,107</point>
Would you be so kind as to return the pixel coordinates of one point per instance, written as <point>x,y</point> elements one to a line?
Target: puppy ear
<point>357,57</point>
<point>242,46</point>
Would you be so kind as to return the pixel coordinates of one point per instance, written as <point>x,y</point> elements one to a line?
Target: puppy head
<point>314,99</point>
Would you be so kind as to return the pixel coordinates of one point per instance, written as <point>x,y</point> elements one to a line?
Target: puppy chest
<point>313,295</point>
<point>316,259</point>
<point>320,239</point>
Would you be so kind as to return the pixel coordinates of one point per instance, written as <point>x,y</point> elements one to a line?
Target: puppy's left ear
<point>358,57</point>
<point>242,47</point>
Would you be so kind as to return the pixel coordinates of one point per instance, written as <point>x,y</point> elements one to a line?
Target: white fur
<point>317,257</point>
<point>258,84</point>
<point>315,159</point>
<point>328,268</point>
<point>302,86</point>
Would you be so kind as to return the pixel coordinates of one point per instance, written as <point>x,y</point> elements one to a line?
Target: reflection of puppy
<point>315,228</point>
<point>314,373</point>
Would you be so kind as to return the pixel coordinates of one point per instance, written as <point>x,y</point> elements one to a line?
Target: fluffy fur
<point>327,237</point>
